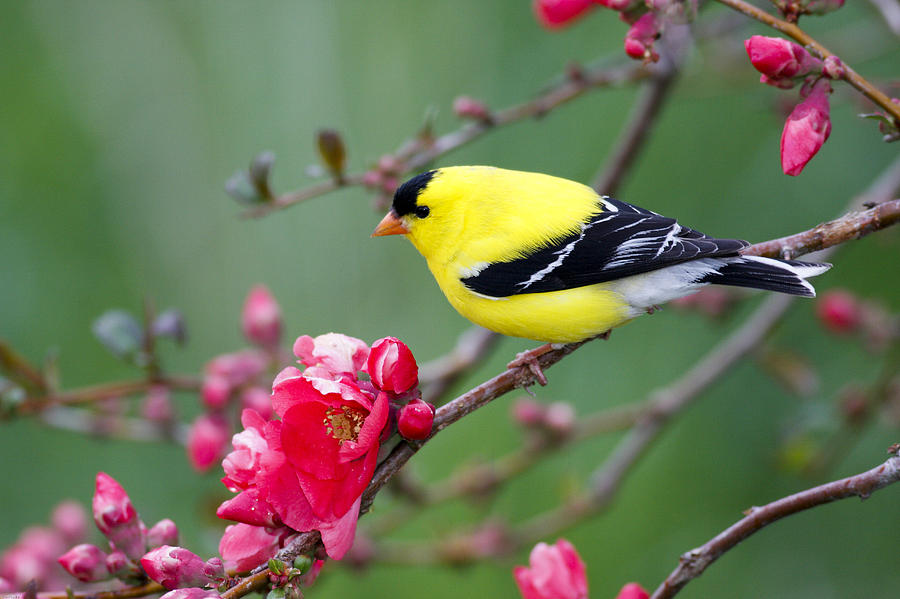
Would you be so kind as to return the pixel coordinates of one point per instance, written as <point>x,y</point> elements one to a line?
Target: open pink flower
<point>554,572</point>
<point>335,352</point>
<point>243,547</point>
<point>806,129</point>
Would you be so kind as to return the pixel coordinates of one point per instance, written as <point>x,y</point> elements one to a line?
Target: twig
<point>108,426</point>
<point>416,154</point>
<point>694,562</point>
<point>850,76</point>
<point>151,588</point>
<point>18,365</point>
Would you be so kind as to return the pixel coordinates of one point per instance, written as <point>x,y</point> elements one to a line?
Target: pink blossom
<point>119,566</point>
<point>6,586</point>
<point>633,590</point>
<point>157,405</point>
<point>554,572</point>
<point>261,318</point>
<point>85,562</point>
<point>391,366</point>
<point>335,352</point>
<point>779,60</point>
<point>207,440</point>
<point>806,129</point>
<point>116,517</point>
<point>191,593</point>
<point>164,532</point>
<point>238,368</point>
<point>840,311</point>
<point>215,391</point>
<point>560,417</point>
<point>640,37</point>
<point>243,547</point>
<point>416,420</point>
<point>258,399</point>
<point>175,567</point>
<point>470,108</point>
<point>528,412</point>
<point>70,519</point>
<point>554,14</point>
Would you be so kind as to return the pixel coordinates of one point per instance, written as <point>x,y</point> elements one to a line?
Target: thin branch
<point>850,76</point>
<point>151,588</point>
<point>16,364</point>
<point>417,153</point>
<point>118,427</point>
<point>694,562</point>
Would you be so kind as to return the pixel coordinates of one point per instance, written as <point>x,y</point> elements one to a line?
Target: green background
<point>121,120</point>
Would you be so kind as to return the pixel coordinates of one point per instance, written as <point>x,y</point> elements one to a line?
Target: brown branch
<point>151,588</point>
<point>17,365</point>
<point>694,562</point>
<point>791,29</point>
<point>417,153</point>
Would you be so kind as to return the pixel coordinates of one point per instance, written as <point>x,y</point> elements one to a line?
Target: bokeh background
<point>120,121</point>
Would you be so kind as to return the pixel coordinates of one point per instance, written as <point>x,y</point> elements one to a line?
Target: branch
<point>18,365</point>
<point>850,76</point>
<point>151,588</point>
<point>694,562</point>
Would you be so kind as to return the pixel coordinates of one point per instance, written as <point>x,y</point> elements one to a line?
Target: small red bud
<point>261,317</point>
<point>470,108</point>
<point>839,311</point>
<point>416,420</point>
<point>633,590</point>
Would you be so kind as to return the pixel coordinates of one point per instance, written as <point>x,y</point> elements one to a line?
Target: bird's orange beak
<point>390,225</point>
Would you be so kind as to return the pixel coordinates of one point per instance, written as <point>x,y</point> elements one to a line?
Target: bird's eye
<point>422,211</point>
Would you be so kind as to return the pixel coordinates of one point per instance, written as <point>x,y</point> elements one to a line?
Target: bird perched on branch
<point>535,256</point>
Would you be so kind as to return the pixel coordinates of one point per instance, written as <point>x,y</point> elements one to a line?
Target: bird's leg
<point>652,309</point>
<point>530,359</point>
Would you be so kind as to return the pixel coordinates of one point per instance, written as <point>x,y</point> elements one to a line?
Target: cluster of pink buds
<point>384,177</point>
<point>239,377</point>
<point>307,469</point>
<point>556,419</point>
<point>843,313</point>
<point>557,572</point>
<point>135,552</point>
<point>646,18</point>
<point>33,556</point>
<point>783,64</point>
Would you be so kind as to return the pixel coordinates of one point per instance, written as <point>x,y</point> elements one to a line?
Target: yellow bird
<point>535,256</point>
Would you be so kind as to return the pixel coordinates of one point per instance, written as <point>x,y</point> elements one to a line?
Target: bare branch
<point>694,562</point>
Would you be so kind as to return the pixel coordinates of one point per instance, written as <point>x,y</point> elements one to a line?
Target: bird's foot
<point>604,336</point>
<point>653,309</point>
<point>530,359</point>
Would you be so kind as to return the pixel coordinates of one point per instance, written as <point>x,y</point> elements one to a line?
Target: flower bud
<point>331,151</point>
<point>207,440</point>
<point>257,399</point>
<point>164,532</point>
<point>560,417</point>
<point>555,14</point>
<point>119,566</point>
<point>470,108</point>
<point>175,567</point>
<point>261,318</point>
<point>116,517</point>
<point>416,420</point>
<point>70,519</point>
<point>191,593</point>
<point>554,572</point>
<point>833,67</point>
<point>215,391</point>
<point>806,129</point>
<point>839,311</point>
<point>633,590</point>
<point>392,366</point>
<point>640,37</point>
<point>528,412</point>
<point>778,59</point>
<point>85,562</point>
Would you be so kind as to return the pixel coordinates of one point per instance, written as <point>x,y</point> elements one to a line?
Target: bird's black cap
<point>406,195</point>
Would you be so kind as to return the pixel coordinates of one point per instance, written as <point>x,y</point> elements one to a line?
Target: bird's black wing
<point>621,241</point>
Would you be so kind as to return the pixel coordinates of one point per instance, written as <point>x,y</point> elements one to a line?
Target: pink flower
<point>555,572</point>
<point>416,420</point>
<point>554,14</point>
<point>640,37</point>
<point>839,311</point>
<point>85,562</point>
<point>238,368</point>
<point>164,532</point>
<point>392,366</point>
<point>336,353</point>
<point>116,517</point>
<point>207,440</point>
<point>215,391</point>
<point>244,547</point>
<point>70,519</point>
<point>779,60</point>
<point>806,129</point>
<point>191,593</point>
<point>258,399</point>
<point>157,405</point>
<point>261,318</point>
<point>119,566</point>
<point>176,567</point>
<point>5,586</point>
<point>633,590</point>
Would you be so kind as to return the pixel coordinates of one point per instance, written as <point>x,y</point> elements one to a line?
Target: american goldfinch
<point>535,256</point>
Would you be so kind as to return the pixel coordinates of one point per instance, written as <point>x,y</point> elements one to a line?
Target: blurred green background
<point>120,121</point>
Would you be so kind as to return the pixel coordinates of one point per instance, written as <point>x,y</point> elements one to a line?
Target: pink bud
<point>839,311</point>
<point>778,59</point>
<point>554,572</point>
<point>261,318</point>
<point>238,368</point>
<point>214,569</point>
<point>119,566</point>
<point>528,412</point>
<point>416,420</point>
<point>191,593</point>
<point>175,567</point>
<point>806,129</point>
<point>70,519</point>
<point>640,37</point>
<point>633,590</point>
<point>554,14</point>
<point>392,366</point>
<point>560,417</point>
<point>258,400</point>
<point>85,562</point>
<point>215,391</point>
<point>157,405</point>
<point>834,67</point>
<point>470,108</point>
<point>116,517</point>
<point>207,440</point>
<point>164,532</point>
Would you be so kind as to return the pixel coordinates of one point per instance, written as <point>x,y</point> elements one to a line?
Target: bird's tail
<point>784,276</point>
